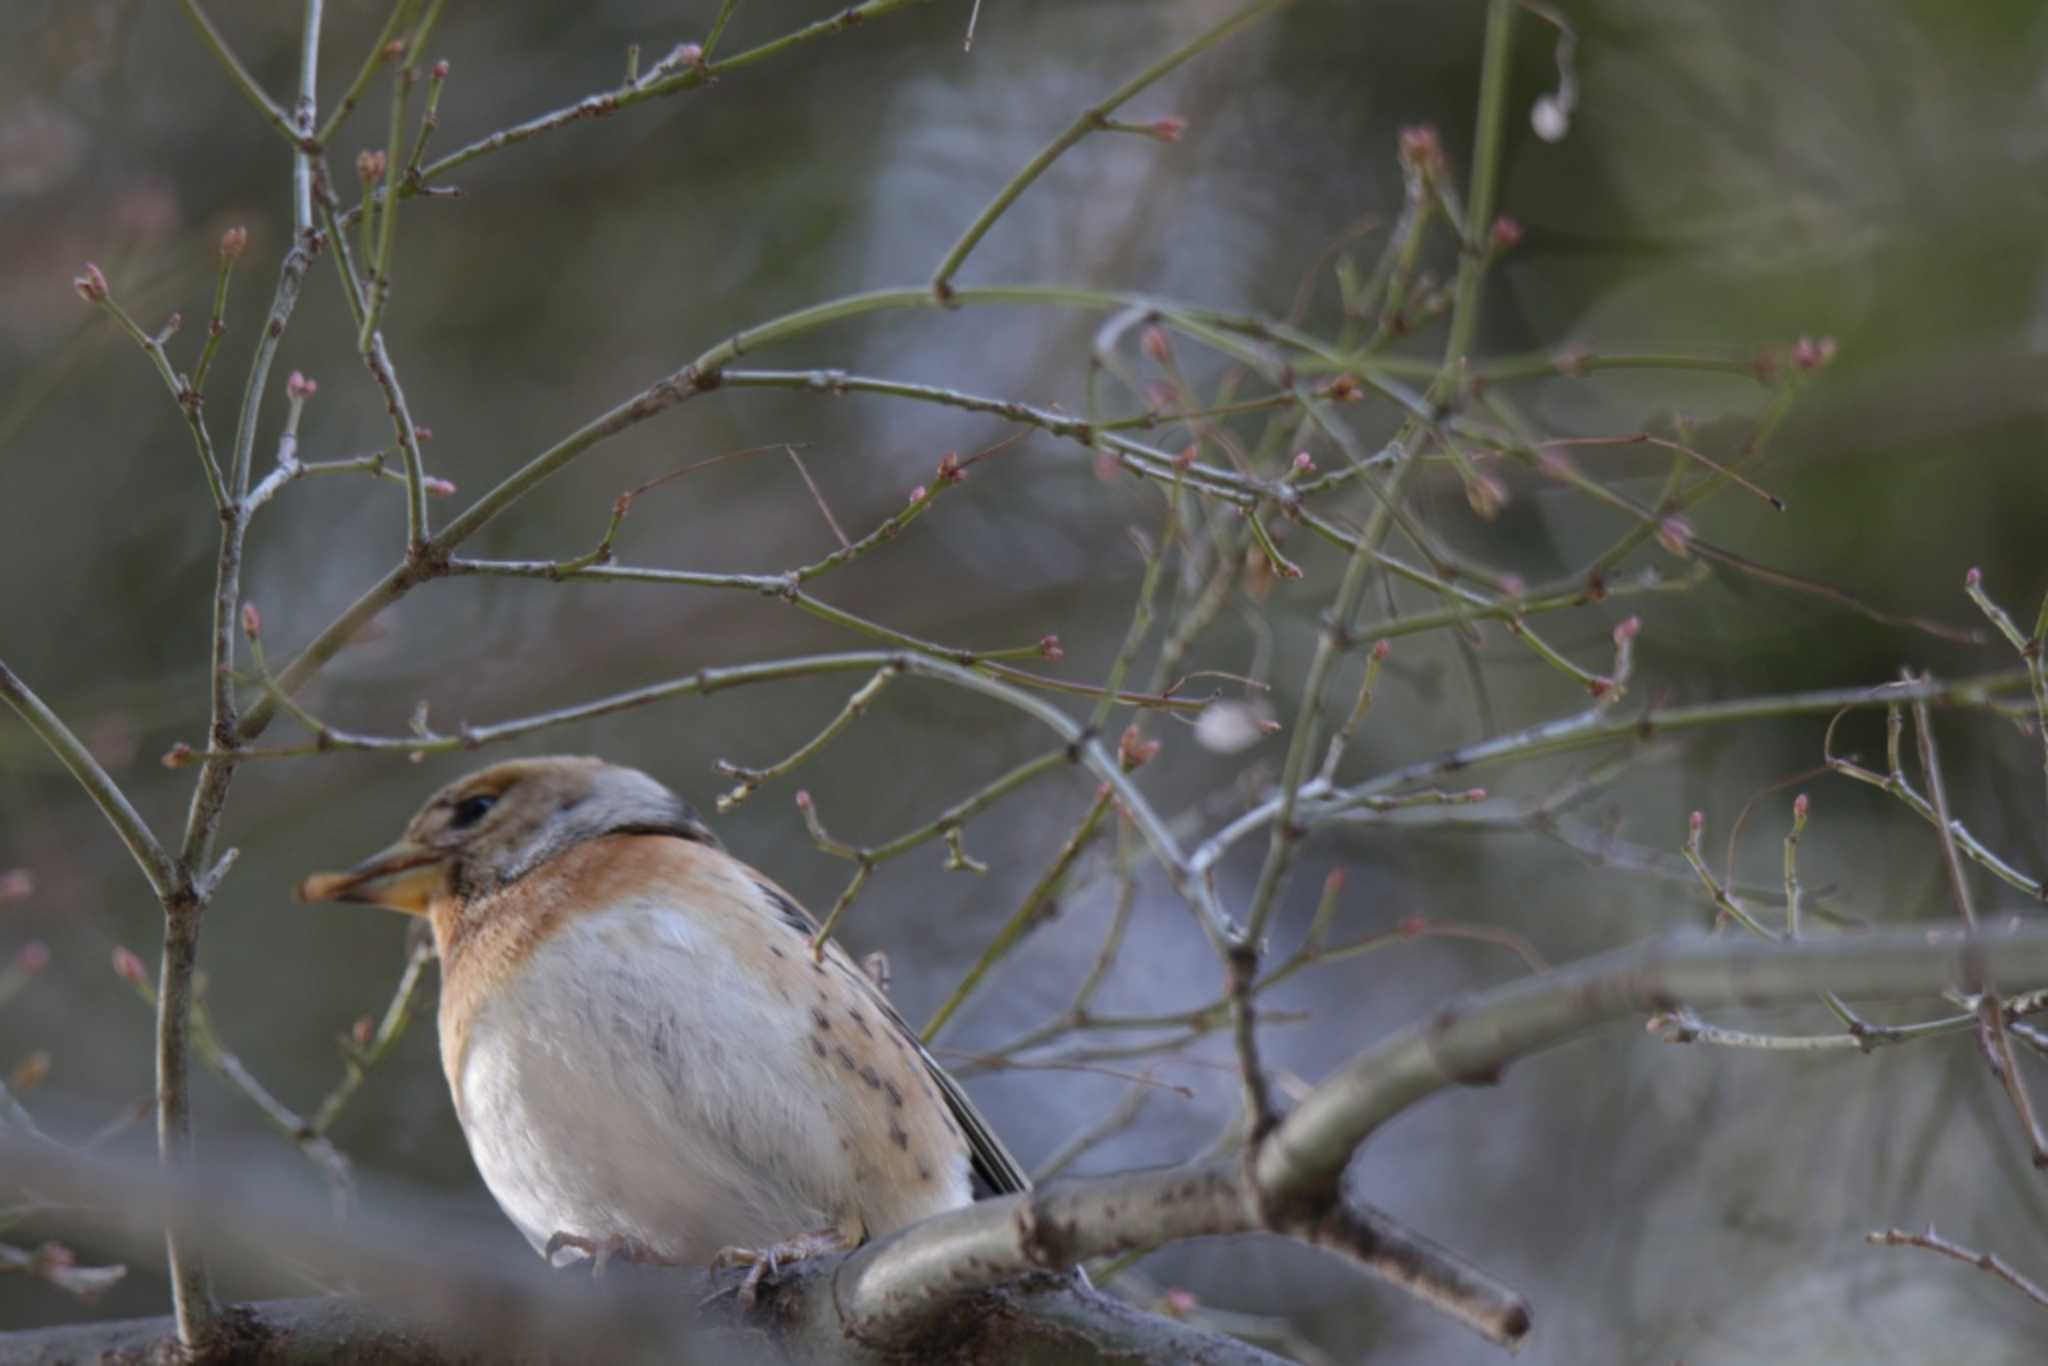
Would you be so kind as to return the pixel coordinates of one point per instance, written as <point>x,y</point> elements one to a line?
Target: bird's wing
<point>993,1167</point>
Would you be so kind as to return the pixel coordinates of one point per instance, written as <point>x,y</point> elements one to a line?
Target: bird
<point>650,1054</point>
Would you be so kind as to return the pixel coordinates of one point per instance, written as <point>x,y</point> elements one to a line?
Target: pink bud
<point>803,799</point>
<point>1156,344</point>
<point>393,50</point>
<point>917,494</point>
<point>1186,459</point>
<point>32,957</point>
<point>440,69</point>
<point>439,487</point>
<point>362,1031</point>
<point>177,756</point>
<point>1808,354</point>
<point>1304,462</point>
<point>1675,535</point>
<point>1506,234</point>
<point>16,884</point>
<point>31,1072</point>
<point>1514,585</point>
<point>369,167</point>
<point>91,286</point>
<point>1486,495</point>
<point>1697,820</point>
<point>1420,149</point>
<point>299,387</point>
<point>1411,925</point>
<point>1334,883</point>
<point>1973,578</point>
<point>1600,686</point>
<point>1180,1303</point>
<point>1627,629</point>
<point>1049,646</point>
<point>1381,649</point>
<point>129,968</point>
<point>690,54</point>
<point>949,468</point>
<point>1800,807</point>
<point>234,242</point>
<point>1343,388</point>
<point>252,621</point>
<point>1169,128</point>
<point>423,434</point>
<point>1475,794</point>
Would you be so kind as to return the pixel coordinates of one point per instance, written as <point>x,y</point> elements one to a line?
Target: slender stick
<point>165,876</point>
<point>273,113</point>
<point>1088,121</point>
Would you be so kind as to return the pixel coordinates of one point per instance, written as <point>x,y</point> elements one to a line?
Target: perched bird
<point>647,1056</point>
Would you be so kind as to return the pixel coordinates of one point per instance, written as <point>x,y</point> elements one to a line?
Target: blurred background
<point>1735,175</point>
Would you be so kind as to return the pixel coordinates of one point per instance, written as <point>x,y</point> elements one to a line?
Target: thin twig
<point>1931,1241</point>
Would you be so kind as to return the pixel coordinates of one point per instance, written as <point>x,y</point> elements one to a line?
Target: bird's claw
<point>761,1263</point>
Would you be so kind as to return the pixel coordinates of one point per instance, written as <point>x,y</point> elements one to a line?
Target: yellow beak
<point>405,877</point>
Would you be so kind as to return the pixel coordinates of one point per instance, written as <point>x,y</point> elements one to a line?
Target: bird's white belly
<point>621,1085</point>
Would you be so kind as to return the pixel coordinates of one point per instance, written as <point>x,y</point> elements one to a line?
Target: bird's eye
<point>470,810</point>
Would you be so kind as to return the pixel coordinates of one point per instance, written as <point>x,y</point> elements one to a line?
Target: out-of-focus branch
<point>53,1262</point>
<point>440,1290</point>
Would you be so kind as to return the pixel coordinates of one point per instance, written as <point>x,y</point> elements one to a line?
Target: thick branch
<point>889,1287</point>
<point>1469,1041</point>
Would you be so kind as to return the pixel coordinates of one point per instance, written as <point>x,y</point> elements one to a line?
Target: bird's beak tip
<point>405,877</point>
<point>322,887</point>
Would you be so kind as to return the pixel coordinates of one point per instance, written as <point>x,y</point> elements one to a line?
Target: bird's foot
<point>603,1250</point>
<point>762,1263</point>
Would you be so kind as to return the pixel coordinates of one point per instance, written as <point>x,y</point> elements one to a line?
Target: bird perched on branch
<point>648,1057</point>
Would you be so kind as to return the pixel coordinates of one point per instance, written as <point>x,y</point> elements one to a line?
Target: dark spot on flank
<point>895,1096</point>
<point>898,1137</point>
<point>792,914</point>
<point>846,1059</point>
<point>924,1171</point>
<point>816,966</point>
<point>777,952</point>
<point>817,1045</point>
<point>873,1078</point>
<point>862,1021</point>
<point>821,1019</point>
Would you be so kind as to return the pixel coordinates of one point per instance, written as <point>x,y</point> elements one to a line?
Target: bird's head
<point>488,830</point>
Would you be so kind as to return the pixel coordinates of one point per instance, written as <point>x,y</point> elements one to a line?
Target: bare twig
<point>1992,1036</point>
<point>1931,1241</point>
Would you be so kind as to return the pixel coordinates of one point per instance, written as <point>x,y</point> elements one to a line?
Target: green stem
<point>1089,120</point>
